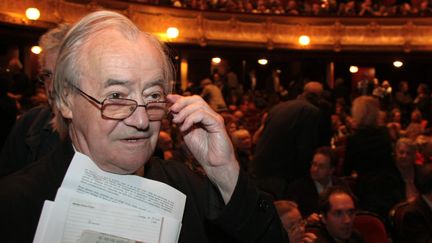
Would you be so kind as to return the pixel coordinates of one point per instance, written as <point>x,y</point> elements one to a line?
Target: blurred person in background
<point>405,155</point>
<point>8,110</point>
<point>404,101</point>
<point>338,208</point>
<point>288,141</point>
<point>242,141</point>
<point>415,127</point>
<point>369,156</point>
<point>416,222</point>
<point>33,134</point>
<point>293,222</point>
<point>422,101</point>
<point>212,95</point>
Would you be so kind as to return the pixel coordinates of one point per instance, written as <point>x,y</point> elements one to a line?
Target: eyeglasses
<point>120,108</point>
<point>44,76</point>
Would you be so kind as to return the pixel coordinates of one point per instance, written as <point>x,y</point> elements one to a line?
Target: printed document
<point>94,204</point>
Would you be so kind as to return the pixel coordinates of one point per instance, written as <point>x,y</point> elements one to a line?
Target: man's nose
<point>347,218</point>
<point>139,119</point>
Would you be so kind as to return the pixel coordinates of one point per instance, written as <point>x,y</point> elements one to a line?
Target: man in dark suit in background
<point>305,191</point>
<point>33,136</point>
<point>289,139</point>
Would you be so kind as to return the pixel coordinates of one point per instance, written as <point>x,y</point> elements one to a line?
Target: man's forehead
<point>112,56</point>
<point>321,158</point>
<point>340,200</point>
<point>114,43</point>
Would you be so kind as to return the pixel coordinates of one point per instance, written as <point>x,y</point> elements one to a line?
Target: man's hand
<point>206,137</point>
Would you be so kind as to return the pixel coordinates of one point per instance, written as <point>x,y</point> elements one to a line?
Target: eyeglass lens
<point>123,108</point>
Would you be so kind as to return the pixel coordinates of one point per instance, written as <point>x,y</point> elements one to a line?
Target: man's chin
<point>346,234</point>
<point>124,165</point>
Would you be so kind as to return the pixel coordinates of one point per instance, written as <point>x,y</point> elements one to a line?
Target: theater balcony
<point>214,28</point>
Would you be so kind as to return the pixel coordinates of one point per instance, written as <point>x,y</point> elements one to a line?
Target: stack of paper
<point>96,206</point>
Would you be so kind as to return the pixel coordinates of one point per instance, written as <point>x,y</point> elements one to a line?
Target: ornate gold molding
<point>228,29</point>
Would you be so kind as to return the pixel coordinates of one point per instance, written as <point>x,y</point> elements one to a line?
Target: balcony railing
<point>241,29</point>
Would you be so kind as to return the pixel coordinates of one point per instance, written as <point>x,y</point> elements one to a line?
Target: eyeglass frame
<point>119,119</point>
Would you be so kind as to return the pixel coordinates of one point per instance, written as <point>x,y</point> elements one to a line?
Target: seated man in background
<point>33,135</point>
<point>405,155</point>
<point>111,90</point>
<point>338,208</point>
<point>305,191</point>
<point>416,222</point>
<point>293,222</point>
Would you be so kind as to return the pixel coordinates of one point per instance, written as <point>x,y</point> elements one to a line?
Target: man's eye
<point>114,96</point>
<point>338,213</point>
<point>155,96</point>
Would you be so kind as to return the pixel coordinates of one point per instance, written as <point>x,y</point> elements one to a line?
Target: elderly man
<point>293,222</point>
<point>338,208</point>
<point>111,90</point>
<point>32,135</point>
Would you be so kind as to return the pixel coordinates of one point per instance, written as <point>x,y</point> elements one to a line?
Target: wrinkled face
<point>405,157</point>
<point>321,169</point>
<point>114,67</point>
<point>340,218</point>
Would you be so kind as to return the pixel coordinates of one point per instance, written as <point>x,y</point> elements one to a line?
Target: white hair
<point>68,68</point>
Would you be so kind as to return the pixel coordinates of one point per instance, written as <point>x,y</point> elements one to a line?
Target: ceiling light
<point>304,40</point>
<point>263,61</point>
<point>32,13</point>
<point>216,60</point>
<point>353,69</point>
<point>36,49</point>
<point>172,32</point>
<point>398,64</point>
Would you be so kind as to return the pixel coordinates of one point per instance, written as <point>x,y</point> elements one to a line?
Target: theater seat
<point>371,227</point>
<point>395,216</point>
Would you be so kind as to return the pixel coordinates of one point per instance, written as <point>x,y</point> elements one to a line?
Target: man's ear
<point>65,107</point>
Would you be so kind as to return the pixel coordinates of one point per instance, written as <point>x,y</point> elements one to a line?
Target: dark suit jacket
<point>248,217</point>
<point>416,223</point>
<point>31,138</point>
<point>378,185</point>
<point>303,191</point>
<point>324,237</point>
<point>286,147</point>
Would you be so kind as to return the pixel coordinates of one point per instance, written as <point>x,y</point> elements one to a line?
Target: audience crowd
<point>308,7</point>
<point>374,144</point>
<point>377,140</point>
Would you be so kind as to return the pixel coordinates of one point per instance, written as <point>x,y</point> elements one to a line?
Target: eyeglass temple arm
<point>88,96</point>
